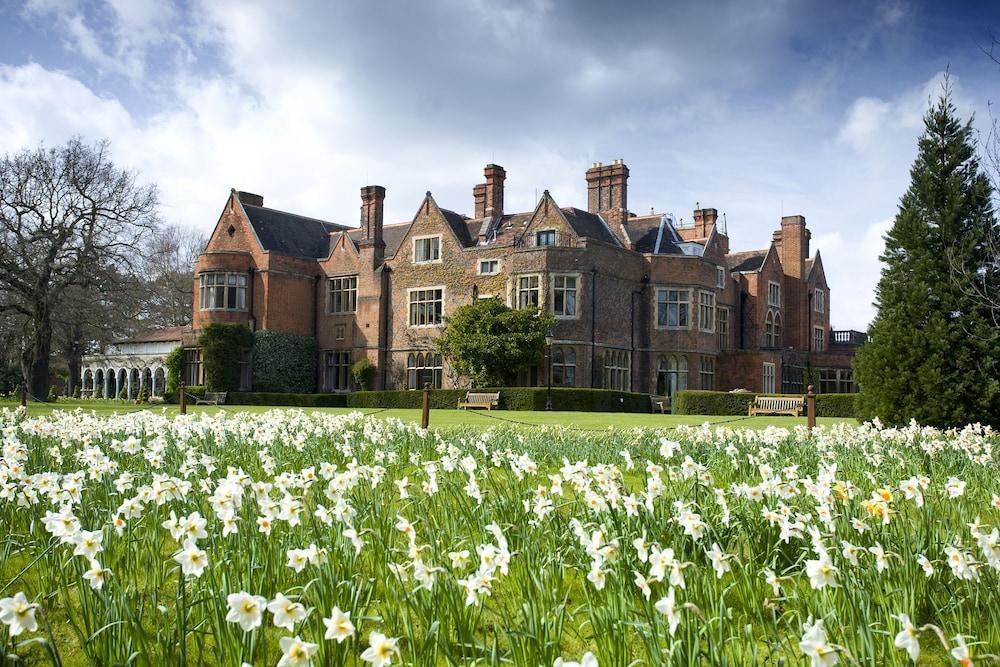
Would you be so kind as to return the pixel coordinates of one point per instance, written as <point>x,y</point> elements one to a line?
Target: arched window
<point>564,366</point>
<point>769,338</point>
<point>422,368</point>
<point>671,375</point>
<point>777,330</point>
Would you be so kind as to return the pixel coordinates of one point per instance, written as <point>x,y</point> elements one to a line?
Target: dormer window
<point>427,249</point>
<point>545,237</point>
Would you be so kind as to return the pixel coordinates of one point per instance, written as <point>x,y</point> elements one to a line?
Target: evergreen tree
<point>934,353</point>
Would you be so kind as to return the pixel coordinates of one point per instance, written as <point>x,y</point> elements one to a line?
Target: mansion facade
<point>644,303</point>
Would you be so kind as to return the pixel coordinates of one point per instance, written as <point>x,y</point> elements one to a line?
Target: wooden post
<point>425,412</point>
<point>24,394</point>
<point>811,408</point>
<point>183,398</point>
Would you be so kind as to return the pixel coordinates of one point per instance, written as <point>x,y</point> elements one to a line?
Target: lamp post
<point>548,369</point>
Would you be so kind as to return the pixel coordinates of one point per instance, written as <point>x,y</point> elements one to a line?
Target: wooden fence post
<point>425,412</point>
<point>811,408</point>
<point>183,398</point>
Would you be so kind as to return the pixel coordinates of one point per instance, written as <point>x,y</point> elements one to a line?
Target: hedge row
<point>511,398</point>
<point>274,398</point>
<point>696,402</point>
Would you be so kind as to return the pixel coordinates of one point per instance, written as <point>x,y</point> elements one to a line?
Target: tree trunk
<point>74,361</point>
<point>41,351</point>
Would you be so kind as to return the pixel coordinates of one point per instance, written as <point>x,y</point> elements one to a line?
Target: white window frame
<point>409,307</point>
<point>517,290</point>
<point>773,303</point>
<point>434,260</point>
<point>769,375</point>
<point>237,288</point>
<point>819,300</point>
<point>479,267</point>
<point>720,277</point>
<point>709,307</point>
<point>576,295</point>
<point>690,313</point>
<point>820,339</point>
<point>351,295</point>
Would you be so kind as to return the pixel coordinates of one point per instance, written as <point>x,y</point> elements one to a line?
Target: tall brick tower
<point>607,194</point>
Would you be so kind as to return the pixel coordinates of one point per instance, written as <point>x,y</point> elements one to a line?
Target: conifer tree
<point>934,351</point>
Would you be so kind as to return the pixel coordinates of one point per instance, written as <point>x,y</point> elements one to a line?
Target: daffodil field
<point>287,538</point>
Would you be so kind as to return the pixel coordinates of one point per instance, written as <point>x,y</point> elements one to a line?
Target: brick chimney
<point>479,195</point>
<point>495,176</point>
<point>607,191</point>
<point>372,198</point>
<point>793,243</point>
<point>250,199</point>
<point>704,221</point>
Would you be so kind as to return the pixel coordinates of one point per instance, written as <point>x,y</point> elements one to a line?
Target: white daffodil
<point>380,650</point>
<point>192,560</point>
<point>588,660</point>
<point>246,610</point>
<point>815,646</point>
<point>668,607</point>
<point>96,575</point>
<point>286,613</point>
<point>18,614</point>
<point>907,639</point>
<point>88,544</point>
<point>338,625</point>
<point>295,652</point>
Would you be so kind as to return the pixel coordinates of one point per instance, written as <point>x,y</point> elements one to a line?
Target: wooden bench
<point>661,403</point>
<point>212,398</point>
<point>475,400</point>
<point>777,405</point>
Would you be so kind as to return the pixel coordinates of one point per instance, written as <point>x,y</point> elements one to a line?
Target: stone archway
<point>134,381</point>
<point>87,385</point>
<point>147,382</point>
<point>122,383</point>
<point>159,382</point>
<point>99,384</point>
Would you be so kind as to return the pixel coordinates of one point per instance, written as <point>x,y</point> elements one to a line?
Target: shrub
<point>222,347</point>
<point>511,398</point>
<point>299,400</point>
<point>284,362</point>
<point>698,402</point>
<point>175,366</point>
<point>363,373</point>
<point>10,379</point>
<point>836,405</point>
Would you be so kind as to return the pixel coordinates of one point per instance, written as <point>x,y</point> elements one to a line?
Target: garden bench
<point>776,405</point>
<point>661,403</point>
<point>479,400</point>
<point>212,398</point>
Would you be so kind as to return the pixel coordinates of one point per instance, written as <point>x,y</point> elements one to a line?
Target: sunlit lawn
<point>448,418</point>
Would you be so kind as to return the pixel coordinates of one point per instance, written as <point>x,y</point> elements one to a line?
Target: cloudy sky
<point>756,108</point>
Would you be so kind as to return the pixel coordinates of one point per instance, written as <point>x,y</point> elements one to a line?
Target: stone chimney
<point>372,199</point>
<point>250,199</point>
<point>607,191</point>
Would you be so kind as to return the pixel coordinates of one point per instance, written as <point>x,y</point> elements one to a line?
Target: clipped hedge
<point>698,402</point>
<point>284,362</point>
<point>511,398</point>
<point>836,405</point>
<point>701,402</point>
<point>274,398</point>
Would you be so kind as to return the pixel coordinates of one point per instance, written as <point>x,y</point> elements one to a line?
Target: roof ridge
<point>299,215</point>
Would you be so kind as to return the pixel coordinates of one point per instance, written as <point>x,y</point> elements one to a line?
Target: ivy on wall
<point>175,367</point>
<point>284,362</point>
<point>222,346</point>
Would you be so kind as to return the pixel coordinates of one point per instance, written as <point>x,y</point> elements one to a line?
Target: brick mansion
<point>642,303</point>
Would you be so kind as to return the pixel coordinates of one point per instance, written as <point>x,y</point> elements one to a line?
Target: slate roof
<point>392,235</point>
<point>164,335</point>
<point>457,222</point>
<point>746,262</point>
<point>588,224</point>
<point>644,230</point>
<point>291,234</point>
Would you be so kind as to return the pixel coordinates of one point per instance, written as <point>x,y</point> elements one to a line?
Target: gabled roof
<point>457,222</point>
<point>291,234</point>
<point>590,225</point>
<point>653,236</point>
<point>748,261</point>
<point>392,235</point>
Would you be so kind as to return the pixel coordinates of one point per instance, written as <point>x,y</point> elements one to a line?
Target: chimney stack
<point>607,191</point>
<point>250,199</point>
<point>372,199</point>
<point>479,195</point>
<point>495,176</point>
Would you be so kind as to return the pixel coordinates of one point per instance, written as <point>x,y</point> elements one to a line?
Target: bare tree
<point>168,298</point>
<point>65,213</point>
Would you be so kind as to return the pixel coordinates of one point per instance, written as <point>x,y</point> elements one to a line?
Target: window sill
<point>224,310</point>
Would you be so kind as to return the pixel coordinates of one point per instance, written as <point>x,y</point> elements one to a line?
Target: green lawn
<point>448,418</point>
